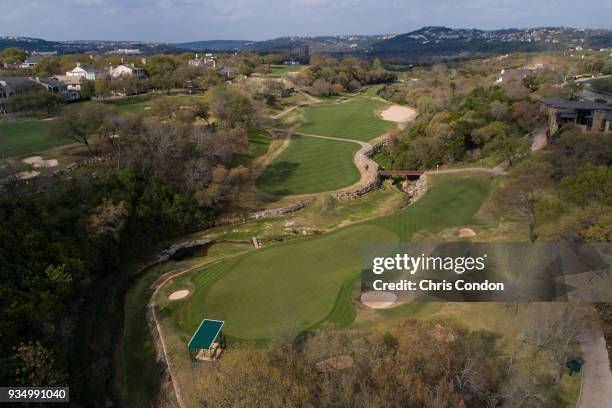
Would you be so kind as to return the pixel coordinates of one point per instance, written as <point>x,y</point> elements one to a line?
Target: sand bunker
<point>179,294</point>
<point>25,175</point>
<point>37,161</point>
<point>400,114</point>
<point>378,300</point>
<point>466,232</point>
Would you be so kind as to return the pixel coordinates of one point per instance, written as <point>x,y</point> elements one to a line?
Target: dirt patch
<point>38,161</point>
<point>399,114</point>
<point>179,294</point>
<point>334,363</point>
<point>466,232</point>
<point>378,300</point>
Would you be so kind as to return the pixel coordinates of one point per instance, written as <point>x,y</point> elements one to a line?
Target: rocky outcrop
<point>277,212</point>
<point>181,246</point>
<point>415,190</point>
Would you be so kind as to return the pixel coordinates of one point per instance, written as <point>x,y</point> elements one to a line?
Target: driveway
<point>596,377</point>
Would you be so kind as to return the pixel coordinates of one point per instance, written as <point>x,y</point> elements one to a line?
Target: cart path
<point>596,388</point>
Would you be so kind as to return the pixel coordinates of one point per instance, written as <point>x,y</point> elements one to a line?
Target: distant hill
<point>422,44</point>
<point>81,46</point>
<point>214,45</point>
<point>430,42</point>
<point>319,44</point>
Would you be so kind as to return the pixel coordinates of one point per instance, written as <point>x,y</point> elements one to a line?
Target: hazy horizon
<point>175,21</point>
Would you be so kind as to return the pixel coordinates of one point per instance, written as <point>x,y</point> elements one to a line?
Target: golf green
<point>355,119</point>
<point>288,287</point>
<point>310,165</point>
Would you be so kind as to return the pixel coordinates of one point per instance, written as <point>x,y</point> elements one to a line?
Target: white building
<point>204,61</point>
<point>126,70</point>
<point>86,72</point>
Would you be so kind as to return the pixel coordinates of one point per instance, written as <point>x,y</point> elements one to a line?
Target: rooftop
<point>567,104</point>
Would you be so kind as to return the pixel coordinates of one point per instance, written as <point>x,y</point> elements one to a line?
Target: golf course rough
<point>311,165</point>
<point>288,287</point>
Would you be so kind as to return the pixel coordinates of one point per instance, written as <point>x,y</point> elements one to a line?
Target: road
<point>596,389</point>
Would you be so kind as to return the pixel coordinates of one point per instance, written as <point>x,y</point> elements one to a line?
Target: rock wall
<point>351,195</point>
<point>416,190</point>
<point>277,212</point>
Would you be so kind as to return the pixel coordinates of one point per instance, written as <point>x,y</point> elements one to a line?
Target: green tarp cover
<point>206,334</point>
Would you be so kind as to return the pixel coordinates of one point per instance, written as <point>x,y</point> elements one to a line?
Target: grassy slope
<point>355,119</point>
<point>295,285</point>
<point>310,165</point>
<point>26,137</point>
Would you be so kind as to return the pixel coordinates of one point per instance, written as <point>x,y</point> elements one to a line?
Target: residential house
<point>513,74</point>
<point>589,115</point>
<point>86,72</point>
<point>227,72</point>
<point>31,61</point>
<point>73,85</point>
<point>126,70</point>
<point>204,61</point>
<point>51,85</point>
<point>11,86</point>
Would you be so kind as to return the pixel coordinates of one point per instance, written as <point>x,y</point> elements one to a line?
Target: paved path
<point>539,140</point>
<point>596,390</point>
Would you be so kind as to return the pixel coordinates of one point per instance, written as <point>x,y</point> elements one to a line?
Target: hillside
<point>450,42</point>
<point>214,45</point>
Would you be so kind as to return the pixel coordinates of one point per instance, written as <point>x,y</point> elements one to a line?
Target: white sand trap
<point>26,175</point>
<point>378,300</point>
<point>179,294</point>
<point>400,114</point>
<point>466,232</point>
<point>37,161</point>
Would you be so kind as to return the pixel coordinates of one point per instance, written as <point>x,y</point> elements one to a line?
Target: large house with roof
<point>11,86</point>
<point>204,61</point>
<point>126,70</point>
<point>591,116</point>
<point>31,61</point>
<point>87,72</point>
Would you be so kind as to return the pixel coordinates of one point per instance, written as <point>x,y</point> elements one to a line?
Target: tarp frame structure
<point>206,334</point>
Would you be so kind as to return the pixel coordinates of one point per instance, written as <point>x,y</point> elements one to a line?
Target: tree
<point>231,107</point>
<point>102,88</point>
<point>527,116</point>
<point>36,366</point>
<point>88,88</point>
<point>508,147</point>
<point>13,55</point>
<point>521,193</point>
<point>492,131</point>
<point>574,87</point>
<point>47,67</point>
<point>84,123</point>
<point>321,87</point>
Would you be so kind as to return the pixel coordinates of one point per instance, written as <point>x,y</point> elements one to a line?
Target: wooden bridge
<point>409,174</point>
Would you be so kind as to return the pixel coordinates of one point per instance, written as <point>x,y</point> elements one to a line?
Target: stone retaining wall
<point>277,212</point>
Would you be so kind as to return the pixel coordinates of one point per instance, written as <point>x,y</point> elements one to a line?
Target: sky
<point>191,20</point>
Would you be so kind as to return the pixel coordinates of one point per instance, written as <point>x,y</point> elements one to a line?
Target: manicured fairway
<point>26,137</point>
<point>279,70</point>
<point>138,104</point>
<point>288,287</point>
<point>355,119</point>
<point>310,165</point>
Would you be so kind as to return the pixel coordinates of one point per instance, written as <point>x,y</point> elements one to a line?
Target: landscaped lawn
<point>355,119</point>
<point>310,165</point>
<point>287,287</point>
<point>26,137</point>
